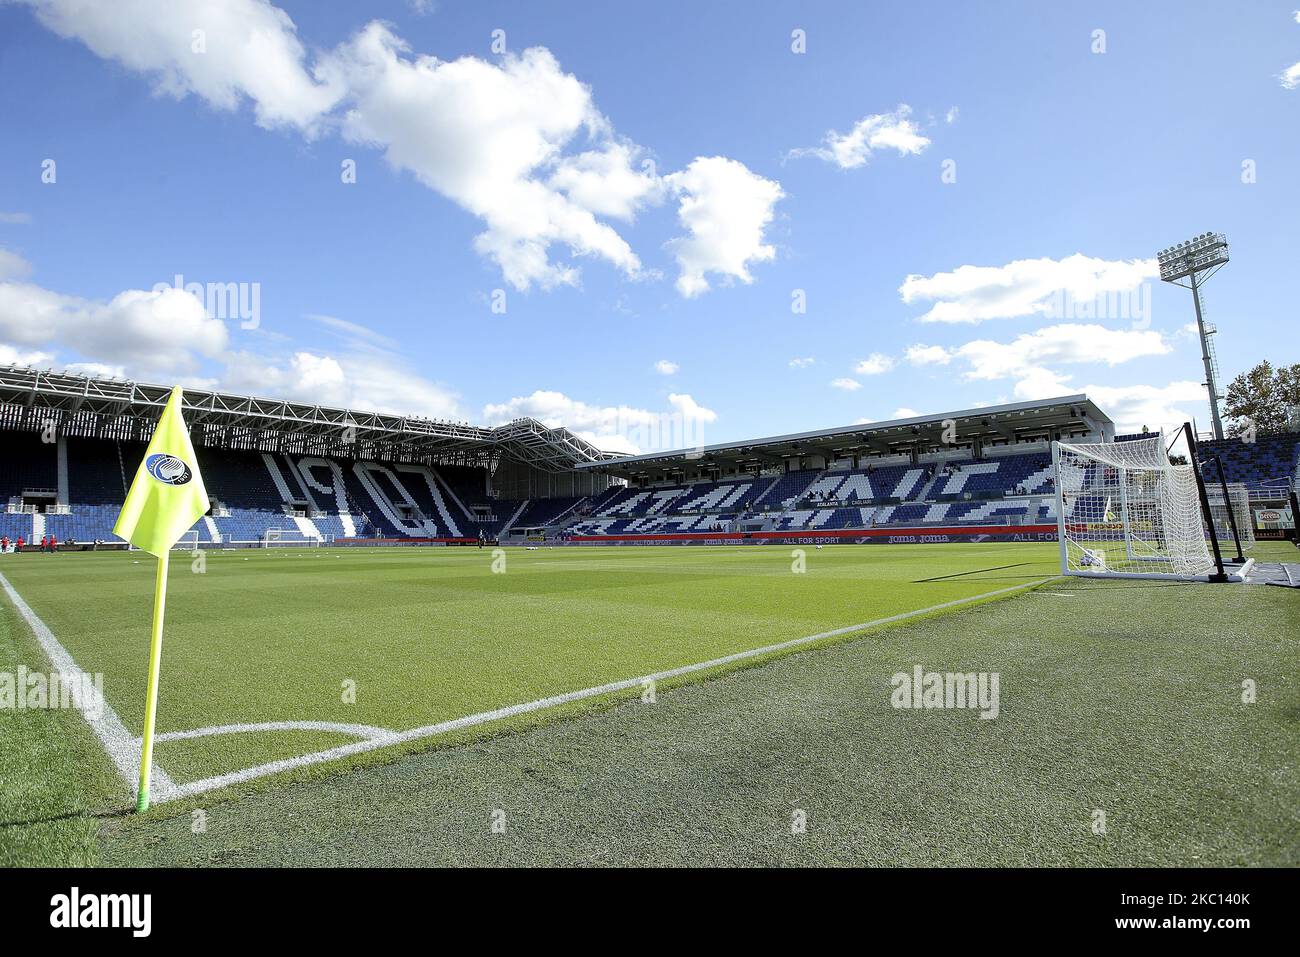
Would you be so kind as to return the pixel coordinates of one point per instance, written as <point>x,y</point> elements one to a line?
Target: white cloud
<point>1024,287</point>
<point>666,367</point>
<point>802,362</point>
<point>618,428</point>
<point>874,364</point>
<point>878,131</point>
<point>951,116</point>
<point>13,266</point>
<point>903,412</point>
<point>1028,357</point>
<point>10,356</point>
<point>1037,382</point>
<point>354,332</point>
<point>250,50</point>
<point>165,336</point>
<point>848,385</point>
<point>482,133</point>
<point>683,405</point>
<point>725,208</point>
<point>1067,343</point>
<point>618,444</point>
<point>920,355</point>
<point>1157,407</point>
<point>518,143</point>
<point>607,181</point>
<point>374,382</point>
<point>1291,75</point>
<point>157,332</point>
<point>15,219</point>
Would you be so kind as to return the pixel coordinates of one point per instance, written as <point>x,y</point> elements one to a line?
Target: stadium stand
<point>330,498</point>
<point>1270,459</point>
<point>252,493</point>
<point>73,488</point>
<point>1007,490</point>
<point>542,513</point>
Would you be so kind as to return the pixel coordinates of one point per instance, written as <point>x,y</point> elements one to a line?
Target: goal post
<point>288,538</point>
<point>1229,507</point>
<point>188,542</point>
<point>1125,510</point>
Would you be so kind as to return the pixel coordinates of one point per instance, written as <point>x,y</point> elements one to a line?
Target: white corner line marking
<point>367,732</point>
<point>121,745</point>
<point>359,747</point>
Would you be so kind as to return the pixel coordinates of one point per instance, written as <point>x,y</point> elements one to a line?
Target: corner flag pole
<point>151,699</point>
<point>166,498</point>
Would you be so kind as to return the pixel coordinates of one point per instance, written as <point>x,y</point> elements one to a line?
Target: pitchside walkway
<point>1276,573</point>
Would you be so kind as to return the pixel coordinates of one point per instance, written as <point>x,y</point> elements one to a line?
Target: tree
<point>1266,399</point>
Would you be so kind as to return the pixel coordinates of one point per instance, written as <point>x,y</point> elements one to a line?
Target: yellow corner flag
<point>166,498</point>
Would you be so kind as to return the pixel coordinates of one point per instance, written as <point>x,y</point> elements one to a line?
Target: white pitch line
<point>429,731</point>
<point>122,747</point>
<point>367,731</point>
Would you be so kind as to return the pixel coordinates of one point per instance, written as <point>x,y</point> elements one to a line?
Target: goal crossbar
<point>288,538</point>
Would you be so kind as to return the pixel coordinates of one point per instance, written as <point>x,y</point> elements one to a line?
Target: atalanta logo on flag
<point>168,469</point>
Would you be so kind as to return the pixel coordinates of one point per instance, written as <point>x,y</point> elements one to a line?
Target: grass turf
<point>440,627</point>
<point>429,635</point>
<point>54,777</point>
<point>1116,697</point>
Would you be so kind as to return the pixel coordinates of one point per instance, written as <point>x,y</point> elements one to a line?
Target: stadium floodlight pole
<point>1196,261</point>
<point>1232,513</point>
<point>1221,575</point>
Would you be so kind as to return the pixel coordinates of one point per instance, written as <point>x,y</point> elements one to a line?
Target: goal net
<point>188,542</point>
<point>1238,504</point>
<point>288,538</point>
<point>1123,509</point>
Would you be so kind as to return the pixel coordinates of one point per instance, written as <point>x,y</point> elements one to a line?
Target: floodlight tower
<point>1196,261</point>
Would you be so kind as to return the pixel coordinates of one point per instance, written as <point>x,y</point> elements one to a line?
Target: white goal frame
<point>1124,510</point>
<point>188,542</point>
<point>288,538</point>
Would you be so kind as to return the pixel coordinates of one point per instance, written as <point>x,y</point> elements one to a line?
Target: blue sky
<point>1072,167</point>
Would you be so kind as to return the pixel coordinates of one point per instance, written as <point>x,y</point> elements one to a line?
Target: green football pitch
<point>397,639</point>
<point>293,665</point>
